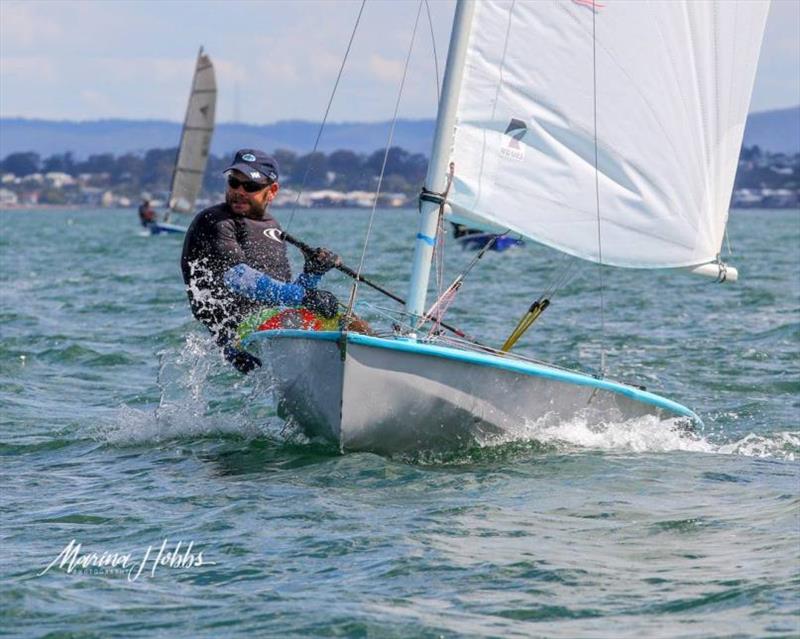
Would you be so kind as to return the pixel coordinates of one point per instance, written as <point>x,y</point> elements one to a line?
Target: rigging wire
<point>538,307</point>
<point>325,117</point>
<point>438,256</point>
<point>438,249</point>
<point>567,275</point>
<point>597,200</point>
<point>442,303</point>
<point>728,244</point>
<point>354,289</point>
<point>438,252</point>
<point>435,57</point>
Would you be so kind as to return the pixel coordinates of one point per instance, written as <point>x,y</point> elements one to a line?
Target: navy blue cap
<point>256,165</point>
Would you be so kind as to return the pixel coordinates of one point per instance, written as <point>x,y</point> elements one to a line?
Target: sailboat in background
<point>195,145</point>
<point>627,118</point>
<point>476,239</point>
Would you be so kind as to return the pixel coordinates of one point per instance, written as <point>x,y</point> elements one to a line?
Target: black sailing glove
<point>241,360</point>
<point>320,261</point>
<point>321,302</point>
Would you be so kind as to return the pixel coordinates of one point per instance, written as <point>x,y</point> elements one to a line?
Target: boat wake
<point>783,445</point>
<point>642,435</point>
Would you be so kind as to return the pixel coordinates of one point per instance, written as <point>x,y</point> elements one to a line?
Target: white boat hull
<point>388,396</point>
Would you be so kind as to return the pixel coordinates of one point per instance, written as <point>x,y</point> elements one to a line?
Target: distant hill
<point>774,131</point>
<point>48,137</point>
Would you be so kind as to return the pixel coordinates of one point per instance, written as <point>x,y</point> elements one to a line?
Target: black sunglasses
<point>247,185</point>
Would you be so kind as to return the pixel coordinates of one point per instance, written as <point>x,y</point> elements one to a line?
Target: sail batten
<point>672,79</point>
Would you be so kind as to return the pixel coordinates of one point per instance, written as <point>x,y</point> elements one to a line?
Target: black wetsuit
<point>217,240</point>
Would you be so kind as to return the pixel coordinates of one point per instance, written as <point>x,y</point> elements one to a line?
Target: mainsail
<point>198,127</point>
<point>627,115</point>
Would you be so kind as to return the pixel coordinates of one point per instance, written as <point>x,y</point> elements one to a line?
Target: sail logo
<point>510,146</point>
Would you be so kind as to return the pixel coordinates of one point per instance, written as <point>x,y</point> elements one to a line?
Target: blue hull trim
<point>482,359</point>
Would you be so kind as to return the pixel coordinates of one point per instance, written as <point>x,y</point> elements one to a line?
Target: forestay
<point>668,85</point>
<point>195,144</point>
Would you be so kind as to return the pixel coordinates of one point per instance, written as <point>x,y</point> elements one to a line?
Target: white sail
<point>519,106</point>
<point>195,144</point>
<point>662,86</point>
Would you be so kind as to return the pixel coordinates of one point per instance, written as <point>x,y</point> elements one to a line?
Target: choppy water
<point>121,428</point>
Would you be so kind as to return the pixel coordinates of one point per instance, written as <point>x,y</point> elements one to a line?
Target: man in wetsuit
<point>234,258</point>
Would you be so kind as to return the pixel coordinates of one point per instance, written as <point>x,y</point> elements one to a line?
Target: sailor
<point>146,214</point>
<point>234,258</point>
<point>461,230</point>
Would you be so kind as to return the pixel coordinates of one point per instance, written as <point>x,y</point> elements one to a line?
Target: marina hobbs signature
<point>176,556</point>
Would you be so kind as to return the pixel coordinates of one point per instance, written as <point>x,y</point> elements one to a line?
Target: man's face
<point>248,203</point>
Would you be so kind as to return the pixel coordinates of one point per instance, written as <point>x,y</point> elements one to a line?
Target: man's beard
<point>255,210</point>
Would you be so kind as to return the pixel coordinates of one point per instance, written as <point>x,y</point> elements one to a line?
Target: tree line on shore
<point>132,174</point>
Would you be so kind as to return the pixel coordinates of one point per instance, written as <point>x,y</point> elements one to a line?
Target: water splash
<point>647,434</point>
<point>200,396</point>
<point>639,435</point>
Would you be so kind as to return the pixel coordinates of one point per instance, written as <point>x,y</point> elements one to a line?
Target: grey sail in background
<point>198,127</point>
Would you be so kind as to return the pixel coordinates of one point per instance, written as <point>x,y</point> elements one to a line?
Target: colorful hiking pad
<point>281,318</point>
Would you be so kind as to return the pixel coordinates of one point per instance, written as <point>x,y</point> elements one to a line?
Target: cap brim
<point>248,171</point>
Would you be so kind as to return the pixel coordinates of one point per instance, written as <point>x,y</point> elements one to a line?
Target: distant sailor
<point>234,260</point>
<point>146,214</point>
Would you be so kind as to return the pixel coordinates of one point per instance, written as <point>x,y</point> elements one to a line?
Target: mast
<point>440,157</point>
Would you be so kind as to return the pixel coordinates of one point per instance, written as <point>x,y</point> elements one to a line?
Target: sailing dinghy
<point>607,130</point>
<point>476,239</point>
<point>190,164</point>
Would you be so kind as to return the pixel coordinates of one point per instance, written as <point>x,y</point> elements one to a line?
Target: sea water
<point>147,489</point>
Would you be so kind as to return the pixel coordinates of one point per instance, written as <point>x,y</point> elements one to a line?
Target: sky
<point>274,59</point>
